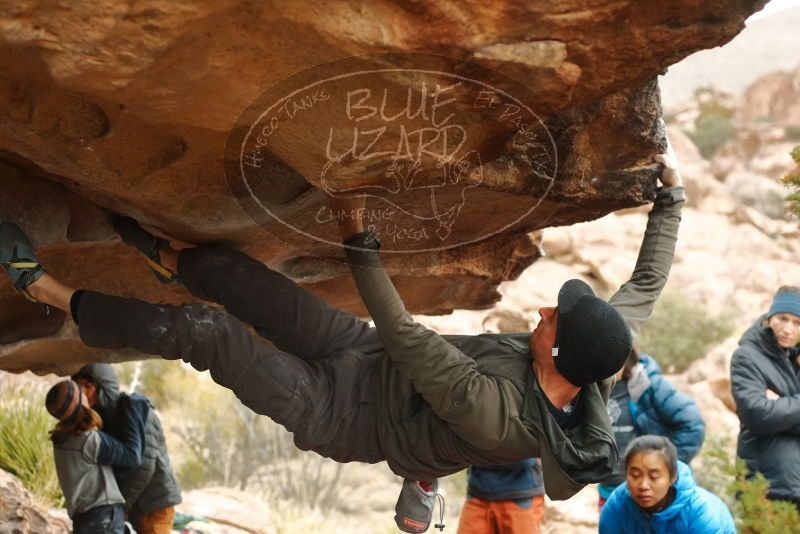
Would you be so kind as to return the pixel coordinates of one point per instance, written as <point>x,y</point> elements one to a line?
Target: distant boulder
<point>19,513</point>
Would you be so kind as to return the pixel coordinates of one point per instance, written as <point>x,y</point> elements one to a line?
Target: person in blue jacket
<point>660,496</point>
<point>644,402</point>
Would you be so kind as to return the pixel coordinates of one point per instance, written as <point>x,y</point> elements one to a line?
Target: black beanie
<point>592,339</point>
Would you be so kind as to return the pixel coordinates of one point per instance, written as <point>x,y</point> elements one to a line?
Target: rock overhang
<point>130,112</point>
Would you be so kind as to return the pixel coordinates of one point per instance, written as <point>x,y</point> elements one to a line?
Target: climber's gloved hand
<point>670,174</point>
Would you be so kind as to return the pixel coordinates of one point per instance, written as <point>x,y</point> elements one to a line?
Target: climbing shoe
<point>149,245</point>
<point>18,259</point>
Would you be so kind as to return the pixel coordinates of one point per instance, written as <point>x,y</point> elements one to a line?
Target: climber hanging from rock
<point>429,405</point>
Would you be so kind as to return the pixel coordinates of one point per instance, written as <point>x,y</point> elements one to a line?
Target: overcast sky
<point>773,7</point>
<point>770,42</point>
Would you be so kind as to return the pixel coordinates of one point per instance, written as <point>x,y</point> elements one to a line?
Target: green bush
<point>25,447</point>
<point>713,126</point>
<point>681,330</point>
<point>756,513</point>
<point>745,497</point>
<point>793,180</point>
<point>793,133</point>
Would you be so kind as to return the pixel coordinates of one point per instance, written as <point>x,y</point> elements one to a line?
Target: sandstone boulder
<point>578,515</point>
<point>775,161</point>
<point>758,148</point>
<point>128,109</point>
<point>763,194</point>
<point>231,511</point>
<point>20,514</point>
<point>774,96</point>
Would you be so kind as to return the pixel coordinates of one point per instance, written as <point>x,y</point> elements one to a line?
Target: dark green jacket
<point>448,402</point>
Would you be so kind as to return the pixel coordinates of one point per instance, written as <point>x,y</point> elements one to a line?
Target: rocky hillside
<point>552,109</point>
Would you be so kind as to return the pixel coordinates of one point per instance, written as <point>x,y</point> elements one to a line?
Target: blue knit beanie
<point>785,302</point>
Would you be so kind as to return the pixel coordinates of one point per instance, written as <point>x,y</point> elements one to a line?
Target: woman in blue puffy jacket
<point>660,496</point>
<point>644,402</point>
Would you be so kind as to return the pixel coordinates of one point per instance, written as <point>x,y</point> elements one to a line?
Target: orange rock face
<point>128,109</point>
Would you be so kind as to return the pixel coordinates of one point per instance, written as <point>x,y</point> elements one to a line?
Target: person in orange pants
<point>480,516</point>
<point>158,521</point>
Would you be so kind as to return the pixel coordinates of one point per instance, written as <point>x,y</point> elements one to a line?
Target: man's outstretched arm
<point>476,406</point>
<point>128,450</point>
<point>637,297</point>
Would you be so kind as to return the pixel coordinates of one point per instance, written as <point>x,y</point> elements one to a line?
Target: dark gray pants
<point>107,519</point>
<point>320,378</point>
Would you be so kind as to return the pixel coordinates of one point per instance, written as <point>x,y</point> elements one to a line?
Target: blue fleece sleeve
<point>681,416</point>
<point>612,517</point>
<point>709,515</point>
<point>128,450</point>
